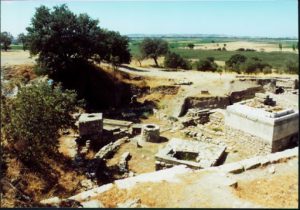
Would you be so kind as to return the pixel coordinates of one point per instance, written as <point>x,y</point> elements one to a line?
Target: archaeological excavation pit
<point>194,154</point>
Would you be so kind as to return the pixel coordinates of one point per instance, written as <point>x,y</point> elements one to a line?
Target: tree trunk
<point>155,60</point>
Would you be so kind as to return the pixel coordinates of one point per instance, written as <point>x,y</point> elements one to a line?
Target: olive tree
<point>153,48</point>
<point>62,39</point>
<point>22,40</point>
<point>5,40</point>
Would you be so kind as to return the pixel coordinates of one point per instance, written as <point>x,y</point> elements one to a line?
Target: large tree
<point>22,40</point>
<point>5,40</point>
<point>153,48</point>
<point>61,39</point>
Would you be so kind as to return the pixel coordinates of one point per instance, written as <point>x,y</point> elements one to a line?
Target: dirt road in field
<point>258,46</point>
<point>16,57</point>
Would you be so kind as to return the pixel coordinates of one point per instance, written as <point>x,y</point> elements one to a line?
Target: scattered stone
<point>87,184</point>
<point>271,170</point>
<point>110,148</point>
<point>136,203</point>
<point>52,201</point>
<point>92,204</point>
<point>123,164</point>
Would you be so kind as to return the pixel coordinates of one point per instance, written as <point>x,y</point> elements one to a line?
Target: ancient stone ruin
<point>150,133</point>
<point>278,127</point>
<point>191,153</point>
<point>91,126</point>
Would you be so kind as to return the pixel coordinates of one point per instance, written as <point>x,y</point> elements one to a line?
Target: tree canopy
<point>6,40</point>
<point>21,39</point>
<point>191,45</point>
<point>207,64</point>
<point>153,48</point>
<point>32,120</point>
<point>174,60</point>
<point>60,37</point>
<point>235,60</point>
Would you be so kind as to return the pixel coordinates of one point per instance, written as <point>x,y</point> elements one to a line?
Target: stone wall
<point>237,96</point>
<point>256,122</point>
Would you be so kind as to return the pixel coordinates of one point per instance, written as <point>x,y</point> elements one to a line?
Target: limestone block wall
<point>258,123</point>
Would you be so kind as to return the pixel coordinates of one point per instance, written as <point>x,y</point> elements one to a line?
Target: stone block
<point>251,163</point>
<point>90,124</point>
<point>92,204</point>
<point>234,168</point>
<point>150,133</point>
<point>52,201</point>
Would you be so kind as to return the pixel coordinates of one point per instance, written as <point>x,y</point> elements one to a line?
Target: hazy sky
<point>270,18</point>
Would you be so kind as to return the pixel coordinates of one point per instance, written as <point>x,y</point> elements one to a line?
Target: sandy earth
<point>257,188</point>
<point>217,84</point>
<point>232,46</point>
<point>16,57</point>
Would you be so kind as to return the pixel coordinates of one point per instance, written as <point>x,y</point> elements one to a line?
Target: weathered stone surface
<point>251,163</point>
<point>110,148</point>
<point>123,164</point>
<point>92,204</point>
<point>272,127</point>
<point>136,129</point>
<point>234,168</point>
<point>194,154</point>
<point>52,201</point>
<point>132,203</point>
<point>90,124</point>
<point>87,184</point>
<point>150,133</point>
<point>91,193</point>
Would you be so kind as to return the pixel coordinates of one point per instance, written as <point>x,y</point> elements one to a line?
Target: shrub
<point>191,45</point>
<point>174,60</point>
<point>267,70</point>
<point>206,65</point>
<point>32,120</point>
<point>291,67</point>
<point>253,66</point>
<point>235,59</point>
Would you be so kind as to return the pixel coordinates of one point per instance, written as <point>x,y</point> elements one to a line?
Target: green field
<point>276,59</point>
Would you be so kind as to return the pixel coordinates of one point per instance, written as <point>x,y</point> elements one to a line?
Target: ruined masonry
<point>277,128</point>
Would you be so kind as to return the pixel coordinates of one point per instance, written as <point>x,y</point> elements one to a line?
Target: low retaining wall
<point>171,173</point>
<point>214,102</point>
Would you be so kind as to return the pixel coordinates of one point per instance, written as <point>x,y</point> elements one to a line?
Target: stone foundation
<point>274,128</point>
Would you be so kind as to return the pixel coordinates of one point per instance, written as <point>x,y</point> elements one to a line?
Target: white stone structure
<point>275,128</point>
<point>194,154</point>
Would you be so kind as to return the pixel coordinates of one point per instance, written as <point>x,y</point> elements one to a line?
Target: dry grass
<point>35,182</point>
<point>273,192</point>
<point>142,160</point>
<point>147,62</point>
<point>151,194</point>
<point>24,71</point>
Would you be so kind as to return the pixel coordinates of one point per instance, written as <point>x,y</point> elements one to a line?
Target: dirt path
<point>16,57</point>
